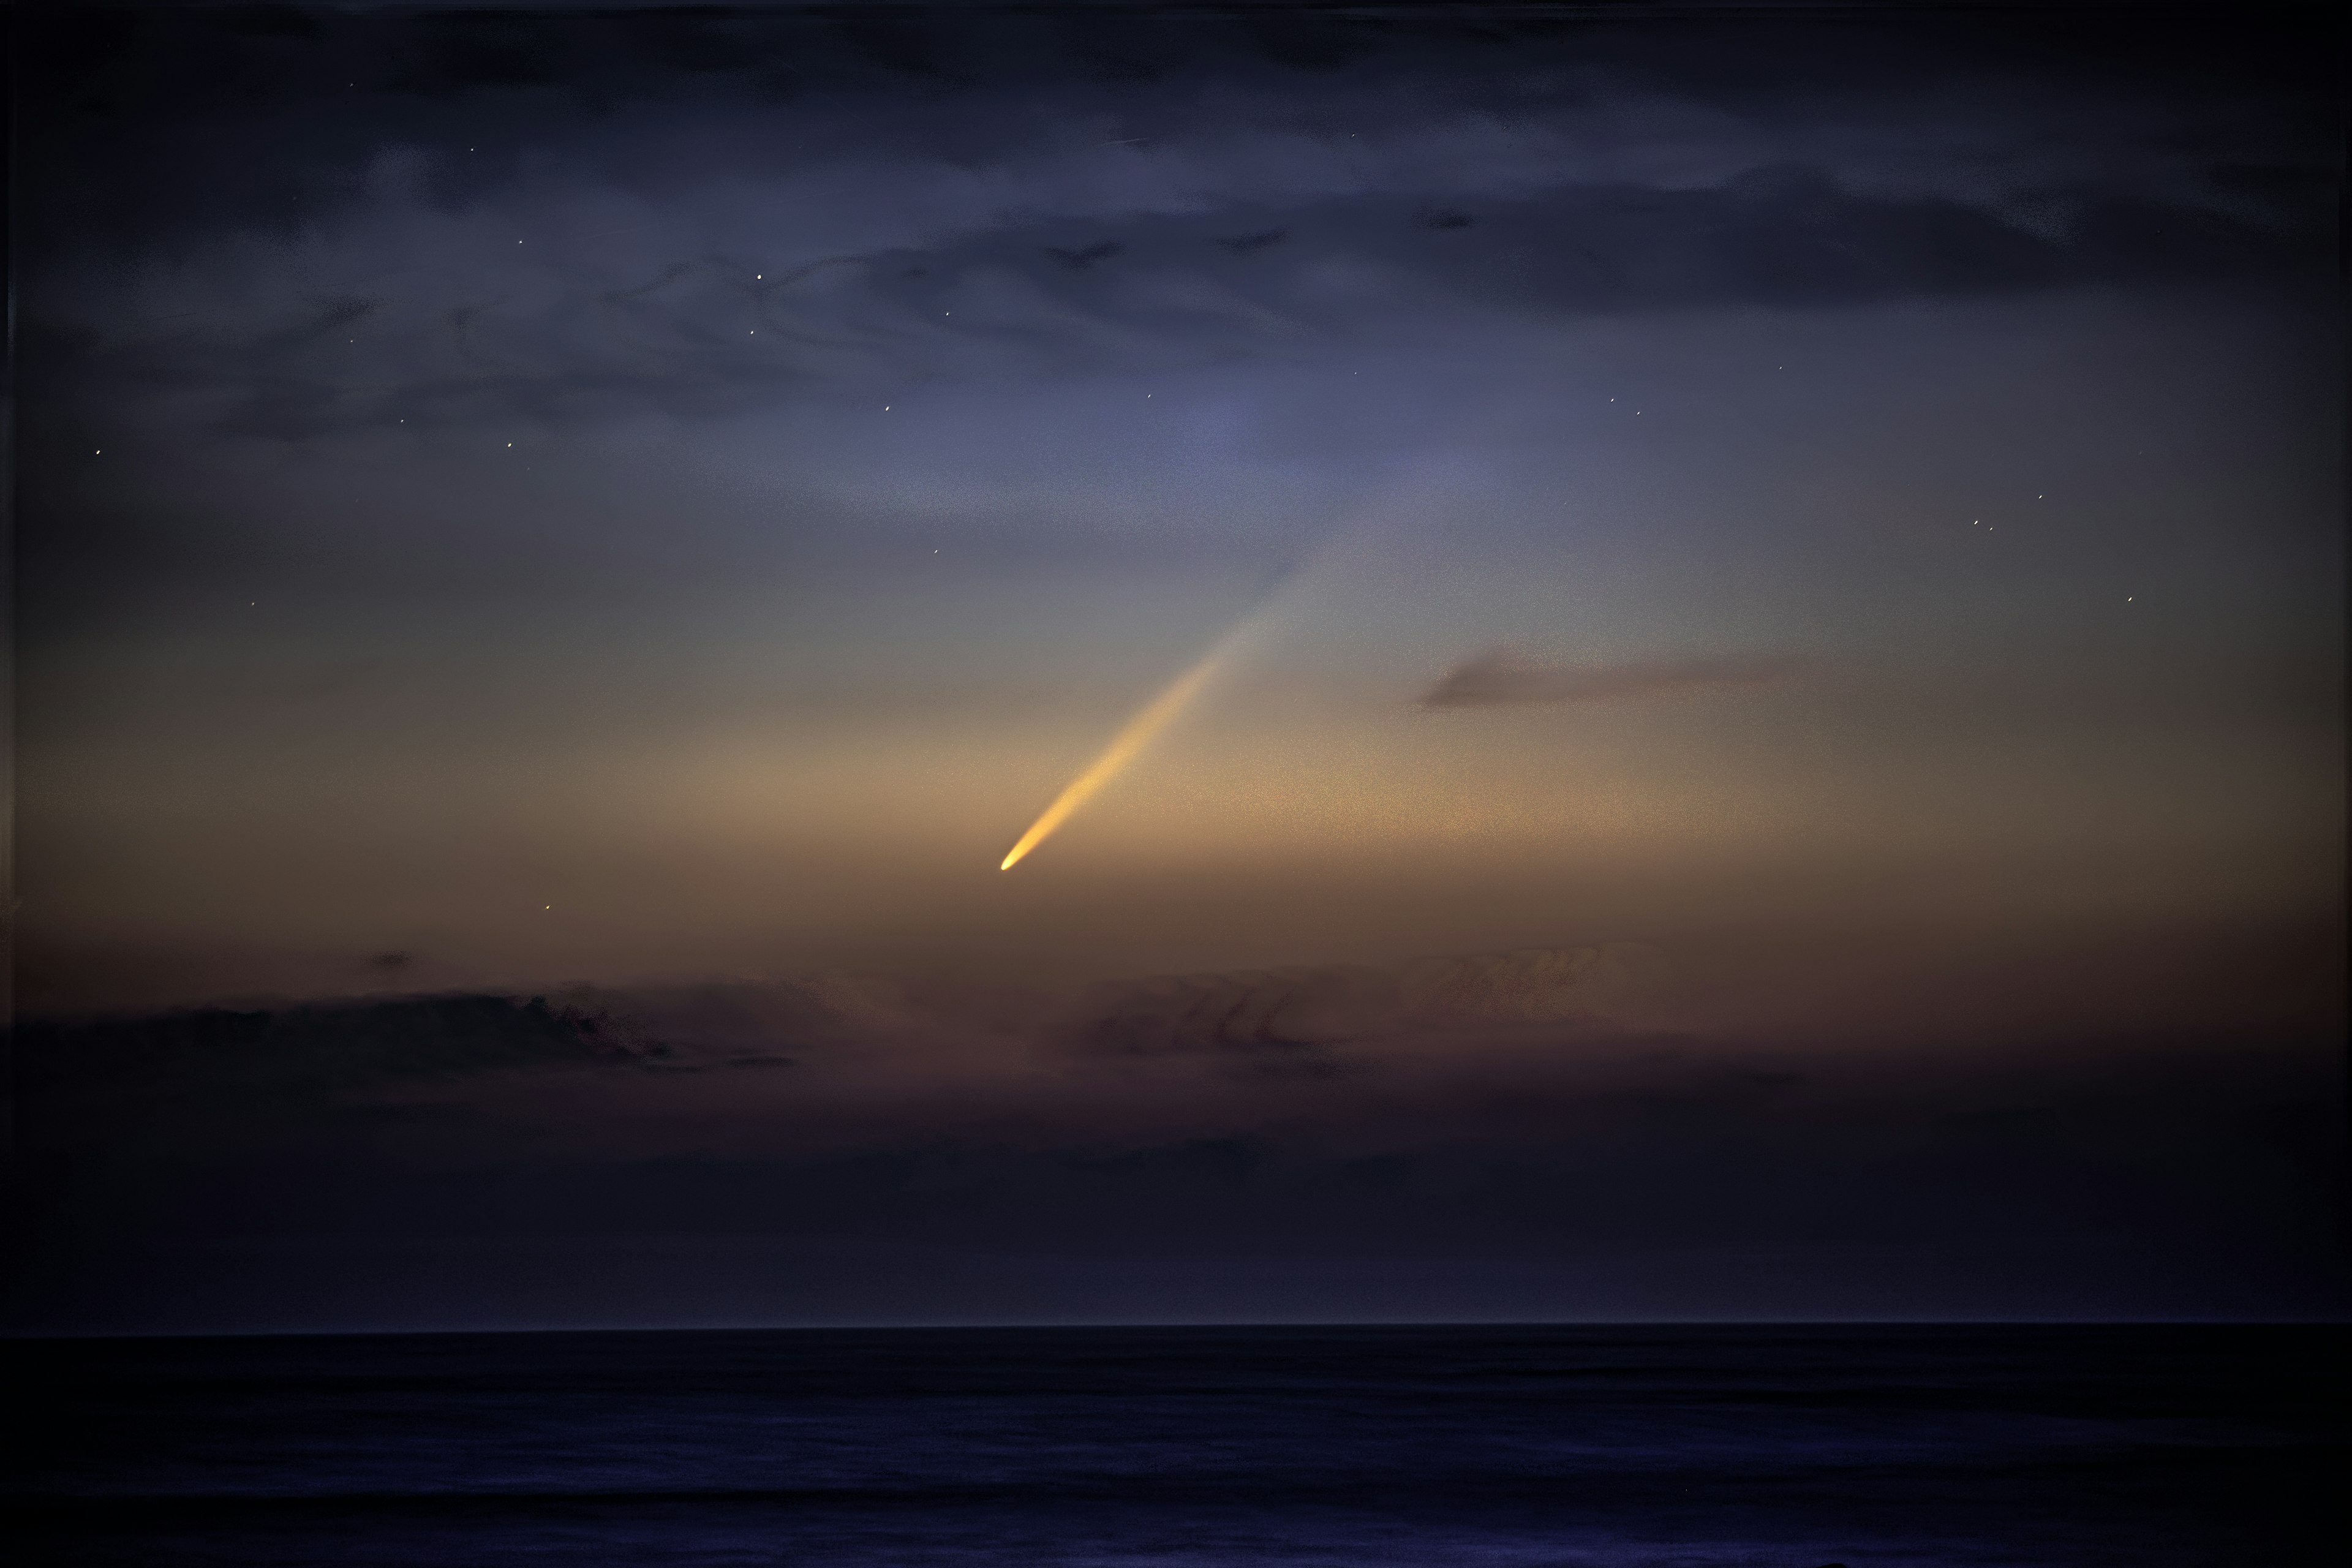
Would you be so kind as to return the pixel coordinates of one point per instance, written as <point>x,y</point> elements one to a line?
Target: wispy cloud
<point>1501,678</point>
<point>833,210</point>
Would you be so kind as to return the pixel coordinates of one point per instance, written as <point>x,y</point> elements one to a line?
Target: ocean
<point>1632,1448</point>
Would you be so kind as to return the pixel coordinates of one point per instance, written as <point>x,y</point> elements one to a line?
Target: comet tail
<point>1122,749</point>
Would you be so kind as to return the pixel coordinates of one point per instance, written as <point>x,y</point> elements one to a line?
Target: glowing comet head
<point>1124,747</point>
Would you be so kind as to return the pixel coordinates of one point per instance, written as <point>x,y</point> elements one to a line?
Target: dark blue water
<point>1438,1446</point>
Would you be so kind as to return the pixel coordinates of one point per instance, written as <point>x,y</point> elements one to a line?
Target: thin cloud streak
<point>1504,678</point>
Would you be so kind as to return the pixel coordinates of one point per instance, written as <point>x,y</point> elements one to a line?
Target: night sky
<point>1715,641</point>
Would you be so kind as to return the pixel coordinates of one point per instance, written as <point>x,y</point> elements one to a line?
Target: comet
<point>1295,582</point>
<point>1128,744</point>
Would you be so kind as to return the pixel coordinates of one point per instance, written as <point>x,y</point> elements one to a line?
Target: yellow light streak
<point>1124,747</point>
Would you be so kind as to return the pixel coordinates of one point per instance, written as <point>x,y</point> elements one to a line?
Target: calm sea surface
<point>1439,1446</point>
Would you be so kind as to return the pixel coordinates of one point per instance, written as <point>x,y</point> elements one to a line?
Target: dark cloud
<point>1504,678</point>
<point>1083,257</point>
<point>717,211</point>
<point>1242,243</point>
<point>303,1060</point>
<point>588,332</point>
<point>1256,1020</point>
<point>1294,1019</point>
<point>205,1076</point>
<point>1506,1111</point>
<point>2078,1178</point>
